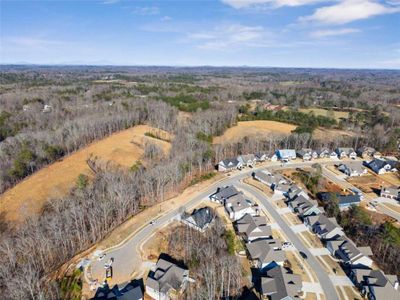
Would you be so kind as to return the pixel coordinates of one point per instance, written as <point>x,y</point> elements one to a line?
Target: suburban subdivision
<point>198,183</point>
<point>284,237</point>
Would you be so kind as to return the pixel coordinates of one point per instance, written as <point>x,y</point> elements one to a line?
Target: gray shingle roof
<point>167,276</point>
<point>279,283</point>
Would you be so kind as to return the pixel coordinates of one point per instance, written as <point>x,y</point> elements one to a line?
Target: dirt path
<point>123,148</point>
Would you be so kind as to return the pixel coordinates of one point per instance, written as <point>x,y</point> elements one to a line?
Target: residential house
<point>365,152</point>
<point>200,219</point>
<point>248,160</point>
<point>229,164</point>
<point>281,188</point>
<point>345,249</point>
<point>346,152</point>
<point>261,156</point>
<point>265,177</point>
<point>381,166</point>
<point>269,179</point>
<point>326,228</point>
<point>304,207</point>
<point>344,201</point>
<point>352,169</point>
<point>294,192</point>
<point>323,153</point>
<point>305,154</point>
<point>375,284</point>
<point>266,253</point>
<point>253,227</point>
<point>280,283</point>
<point>286,154</point>
<point>224,193</point>
<point>166,279</point>
<point>333,155</point>
<point>392,192</point>
<point>128,291</point>
<point>237,206</point>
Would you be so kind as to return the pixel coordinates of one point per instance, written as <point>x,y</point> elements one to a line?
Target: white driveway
<point>319,251</point>
<point>283,211</point>
<point>341,280</point>
<point>312,287</point>
<point>298,228</point>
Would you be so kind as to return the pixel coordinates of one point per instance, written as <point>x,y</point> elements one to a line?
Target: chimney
<point>396,285</point>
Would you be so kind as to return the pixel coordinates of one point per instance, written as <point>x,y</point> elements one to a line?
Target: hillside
<point>123,148</point>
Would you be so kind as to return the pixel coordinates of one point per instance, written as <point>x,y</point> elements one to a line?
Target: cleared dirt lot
<point>366,183</point>
<point>254,128</point>
<point>123,148</point>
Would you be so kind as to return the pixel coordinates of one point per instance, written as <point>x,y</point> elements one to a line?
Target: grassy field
<point>123,148</point>
<point>265,128</point>
<point>330,134</point>
<point>254,128</point>
<point>324,112</point>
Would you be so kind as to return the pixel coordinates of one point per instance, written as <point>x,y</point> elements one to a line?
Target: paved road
<point>127,258</point>
<point>323,278</point>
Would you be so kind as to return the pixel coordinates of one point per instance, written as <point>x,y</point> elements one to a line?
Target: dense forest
<point>49,112</point>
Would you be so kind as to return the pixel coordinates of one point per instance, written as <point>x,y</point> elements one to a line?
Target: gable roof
<point>381,285</point>
<point>346,150</point>
<point>167,276</point>
<point>225,192</point>
<point>253,227</point>
<point>349,252</point>
<point>342,199</point>
<point>286,153</point>
<point>200,217</point>
<point>279,284</point>
<point>352,166</point>
<point>266,250</point>
<point>229,162</point>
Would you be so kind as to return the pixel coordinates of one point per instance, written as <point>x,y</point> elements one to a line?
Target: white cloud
<point>348,11</point>
<point>34,42</point>
<point>110,1</point>
<point>146,11</point>
<point>166,19</point>
<point>238,4</point>
<point>234,35</point>
<point>333,32</point>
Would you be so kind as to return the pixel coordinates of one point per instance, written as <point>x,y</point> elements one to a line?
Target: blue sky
<point>279,33</point>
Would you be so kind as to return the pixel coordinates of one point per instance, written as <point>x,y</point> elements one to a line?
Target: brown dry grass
<point>391,206</point>
<point>259,185</point>
<point>157,244</point>
<point>297,266</point>
<point>280,204</point>
<point>392,178</point>
<point>366,183</point>
<point>311,239</point>
<point>254,128</point>
<point>123,148</point>
<point>329,264</point>
<point>264,127</point>
<point>293,219</point>
<point>352,293</point>
<point>311,296</point>
<point>330,134</point>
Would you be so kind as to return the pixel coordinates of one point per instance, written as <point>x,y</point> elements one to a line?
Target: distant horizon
<point>193,66</point>
<point>342,34</point>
